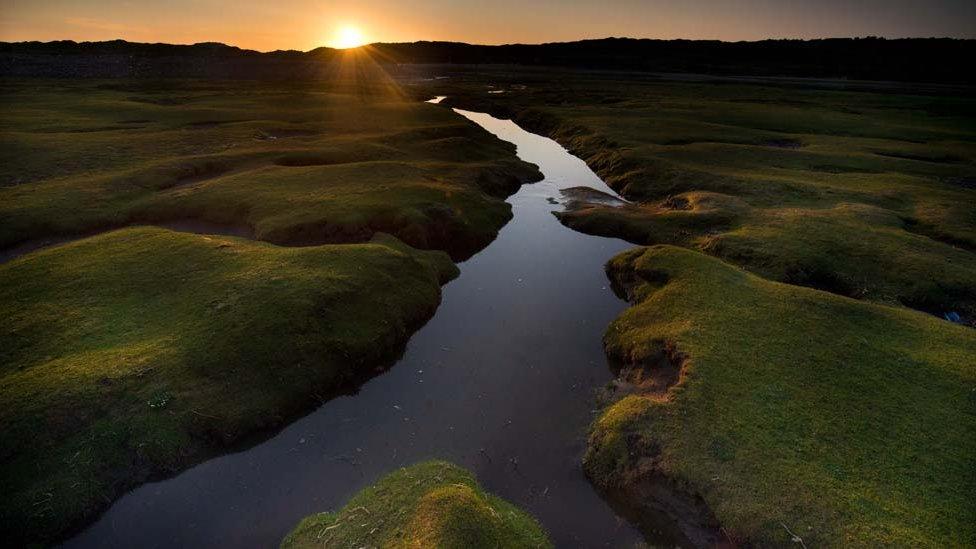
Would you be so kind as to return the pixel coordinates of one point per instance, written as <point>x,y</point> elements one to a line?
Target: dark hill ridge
<point>118,58</point>
<point>910,59</point>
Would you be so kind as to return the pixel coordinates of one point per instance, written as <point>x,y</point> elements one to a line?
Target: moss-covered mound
<point>134,353</point>
<point>297,164</point>
<point>788,409</point>
<point>431,504</point>
<point>869,195</point>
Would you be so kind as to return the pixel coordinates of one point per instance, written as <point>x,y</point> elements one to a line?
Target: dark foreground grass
<point>132,354</point>
<point>294,164</point>
<point>431,504</point>
<point>849,423</point>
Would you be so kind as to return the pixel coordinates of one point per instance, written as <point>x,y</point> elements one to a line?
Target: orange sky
<point>305,24</point>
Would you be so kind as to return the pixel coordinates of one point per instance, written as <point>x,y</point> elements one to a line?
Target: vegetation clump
<point>845,422</point>
<point>857,193</point>
<point>777,378</point>
<point>133,353</point>
<point>431,504</point>
<point>292,165</point>
<point>130,355</point>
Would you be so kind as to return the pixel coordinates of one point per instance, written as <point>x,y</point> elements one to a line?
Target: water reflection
<point>501,381</point>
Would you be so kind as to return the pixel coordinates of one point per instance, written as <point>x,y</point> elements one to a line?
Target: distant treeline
<point>913,59</point>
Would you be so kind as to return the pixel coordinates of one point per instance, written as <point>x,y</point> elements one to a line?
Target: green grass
<point>431,504</point>
<point>852,423</point>
<point>134,353</point>
<point>864,194</point>
<point>295,164</point>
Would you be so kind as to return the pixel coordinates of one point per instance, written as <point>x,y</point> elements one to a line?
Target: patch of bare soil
<point>653,376</point>
<point>583,197</point>
<point>667,515</point>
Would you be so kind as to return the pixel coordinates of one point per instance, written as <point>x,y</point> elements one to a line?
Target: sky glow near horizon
<point>307,24</point>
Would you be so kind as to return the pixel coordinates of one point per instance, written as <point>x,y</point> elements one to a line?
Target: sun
<point>349,36</point>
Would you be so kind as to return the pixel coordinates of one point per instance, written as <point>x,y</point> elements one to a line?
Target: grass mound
<point>131,354</point>
<point>789,408</point>
<point>295,164</point>
<point>431,504</point>
<point>856,193</point>
<point>847,422</point>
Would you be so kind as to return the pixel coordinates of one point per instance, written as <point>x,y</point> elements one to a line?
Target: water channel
<point>502,381</point>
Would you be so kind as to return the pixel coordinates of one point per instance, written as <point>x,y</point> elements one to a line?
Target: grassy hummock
<point>784,407</point>
<point>776,364</point>
<point>132,354</point>
<point>869,195</point>
<point>431,504</point>
<point>292,164</point>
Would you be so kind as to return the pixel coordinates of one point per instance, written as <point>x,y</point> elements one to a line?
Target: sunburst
<point>349,36</point>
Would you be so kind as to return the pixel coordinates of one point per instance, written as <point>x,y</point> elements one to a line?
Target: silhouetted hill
<point>118,58</point>
<point>929,60</point>
<point>914,59</point>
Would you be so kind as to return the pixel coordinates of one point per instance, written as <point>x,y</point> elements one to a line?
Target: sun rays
<point>349,36</point>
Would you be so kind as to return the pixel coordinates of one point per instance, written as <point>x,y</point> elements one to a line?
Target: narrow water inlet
<point>502,381</point>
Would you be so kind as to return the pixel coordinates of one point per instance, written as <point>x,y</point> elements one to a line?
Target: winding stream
<point>502,380</point>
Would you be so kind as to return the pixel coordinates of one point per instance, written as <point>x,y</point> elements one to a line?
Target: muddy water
<point>502,381</point>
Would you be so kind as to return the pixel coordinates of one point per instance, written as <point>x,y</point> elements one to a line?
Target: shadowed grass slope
<point>295,164</point>
<point>431,504</point>
<point>850,423</point>
<point>131,354</point>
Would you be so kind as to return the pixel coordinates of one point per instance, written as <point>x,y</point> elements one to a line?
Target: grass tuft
<point>129,355</point>
<point>431,504</point>
<point>851,422</point>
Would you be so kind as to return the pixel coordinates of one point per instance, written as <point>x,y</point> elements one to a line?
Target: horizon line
<point>498,45</point>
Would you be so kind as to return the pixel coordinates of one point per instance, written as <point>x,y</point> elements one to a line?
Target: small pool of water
<point>502,381</point>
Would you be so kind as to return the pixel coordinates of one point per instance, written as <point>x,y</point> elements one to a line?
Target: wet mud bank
<point>665,512</point>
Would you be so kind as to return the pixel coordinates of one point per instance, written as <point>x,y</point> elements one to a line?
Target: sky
<point>306,24</point>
